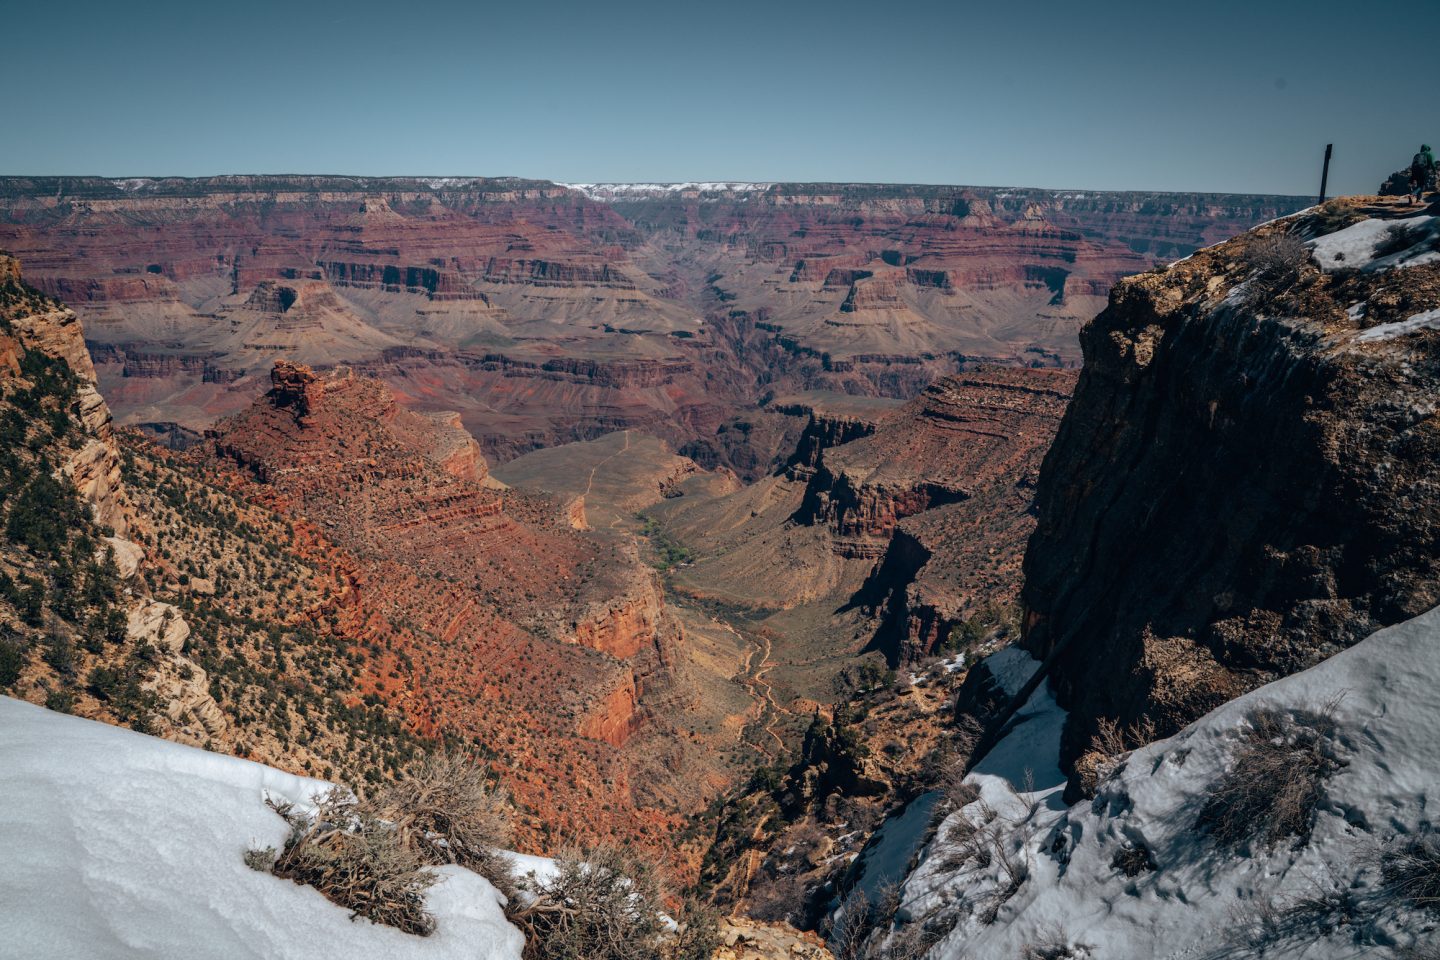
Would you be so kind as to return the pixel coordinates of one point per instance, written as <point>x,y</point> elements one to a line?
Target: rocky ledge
<point>1248,478</point>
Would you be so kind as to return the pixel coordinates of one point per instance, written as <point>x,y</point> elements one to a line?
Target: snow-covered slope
<point>1050,879</point>
<point>1411,243</point>
<point>118,845</point>
<point>631,191</point>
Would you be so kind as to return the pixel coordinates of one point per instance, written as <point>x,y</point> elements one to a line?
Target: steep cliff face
<point>49,328</point>
<point>829,422</point>
<point>950,485</point>
<point>1246,479</point>
<point>72,581</point>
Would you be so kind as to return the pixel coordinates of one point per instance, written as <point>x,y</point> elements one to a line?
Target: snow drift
<point>1053,883</point>
<point>120,845</point>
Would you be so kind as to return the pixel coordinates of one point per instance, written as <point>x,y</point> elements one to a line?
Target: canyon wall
<point>544,314</point>
<point>73,578</point>
<point>942,496</point>
<point>1244,482</point>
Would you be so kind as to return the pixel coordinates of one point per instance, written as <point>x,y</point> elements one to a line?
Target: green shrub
<point>12,661</point>
<point>59,653</point>
<point>61,701</point>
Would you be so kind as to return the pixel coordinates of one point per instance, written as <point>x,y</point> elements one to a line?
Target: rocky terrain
<point>289,590</point>
<point>727,583</point>
<point>905,522</point>
<point>950,489</point>
<point>543,313</point>
<point>1275,415</point>
<point>473,595</point>
<point>70,563</point>
<point>1236,497</point>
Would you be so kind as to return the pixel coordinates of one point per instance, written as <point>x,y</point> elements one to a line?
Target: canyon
<point>726,522</point>
<point>544,313</point>
<point>496,413</point>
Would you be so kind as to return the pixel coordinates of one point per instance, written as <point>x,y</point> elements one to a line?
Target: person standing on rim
<point>1422,173</point>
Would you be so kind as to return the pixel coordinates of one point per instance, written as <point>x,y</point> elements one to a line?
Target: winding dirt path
<point>591,483</point>
<point>752,677</point>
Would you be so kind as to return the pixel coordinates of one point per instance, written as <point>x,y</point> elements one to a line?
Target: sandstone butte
<point>481,596</point>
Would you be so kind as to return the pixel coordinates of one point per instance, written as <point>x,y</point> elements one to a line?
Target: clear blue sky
<point>1225,96</point>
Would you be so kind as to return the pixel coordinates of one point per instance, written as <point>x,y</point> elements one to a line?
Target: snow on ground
<point>1429,320</point>
<point>118,845</point>
<point>1202,902</point>
<point>451,183</point>
<point>529,865</point>
<point>1028,758</point>
<point>1021,772</point>
<point>612,191</point>
<point>1355,247</point>
<point>886,858</point>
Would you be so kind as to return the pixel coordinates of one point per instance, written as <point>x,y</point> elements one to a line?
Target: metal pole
<point>1325,174</point>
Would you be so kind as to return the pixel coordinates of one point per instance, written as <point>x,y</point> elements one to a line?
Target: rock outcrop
<point>94,468</point>
<point>190,713</point>
<point>1245,481</point>
<point>43,361</point>
<point>506,622</point>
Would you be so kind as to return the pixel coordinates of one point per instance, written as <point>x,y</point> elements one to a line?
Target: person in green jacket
<point>1422,173</point>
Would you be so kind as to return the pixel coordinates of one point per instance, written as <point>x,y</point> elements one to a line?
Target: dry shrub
<point>261,859</point>
<point>1113,740</point>
<point>1133,861</point>
<point>984,843</point>
<point>359,861</point>
<point>776,897</point>
<point>1333,216</point>
<point>606,905</point>
<point>1420,951</point>
<point>697,932</point>
<point>1053,945</point>
<point>1274,262</point>
<point>372,856</point>
<point>1402,236</point>
<point>1275,780</point>
<point>449,812</point>
<point>1015,873</point>
<point>960,792</point>
<point>910,942</point>
<point>955,793</point>
<point>1411,871</point>
<point>847,940</point>
<point>1110,744</point>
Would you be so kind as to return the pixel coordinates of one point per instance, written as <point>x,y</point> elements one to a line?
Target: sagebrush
<point>607,904</point>
<point>1275,780</point>
<point>356,859</point>
<point>373,855</point>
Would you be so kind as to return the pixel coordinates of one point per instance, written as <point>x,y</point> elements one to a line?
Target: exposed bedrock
<point>94,464</point>
<point>942,496</point>
<point>1239,489</point>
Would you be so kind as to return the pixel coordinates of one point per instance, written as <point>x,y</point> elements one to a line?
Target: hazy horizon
<point>1119,96</point>
<point>607,183</point>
